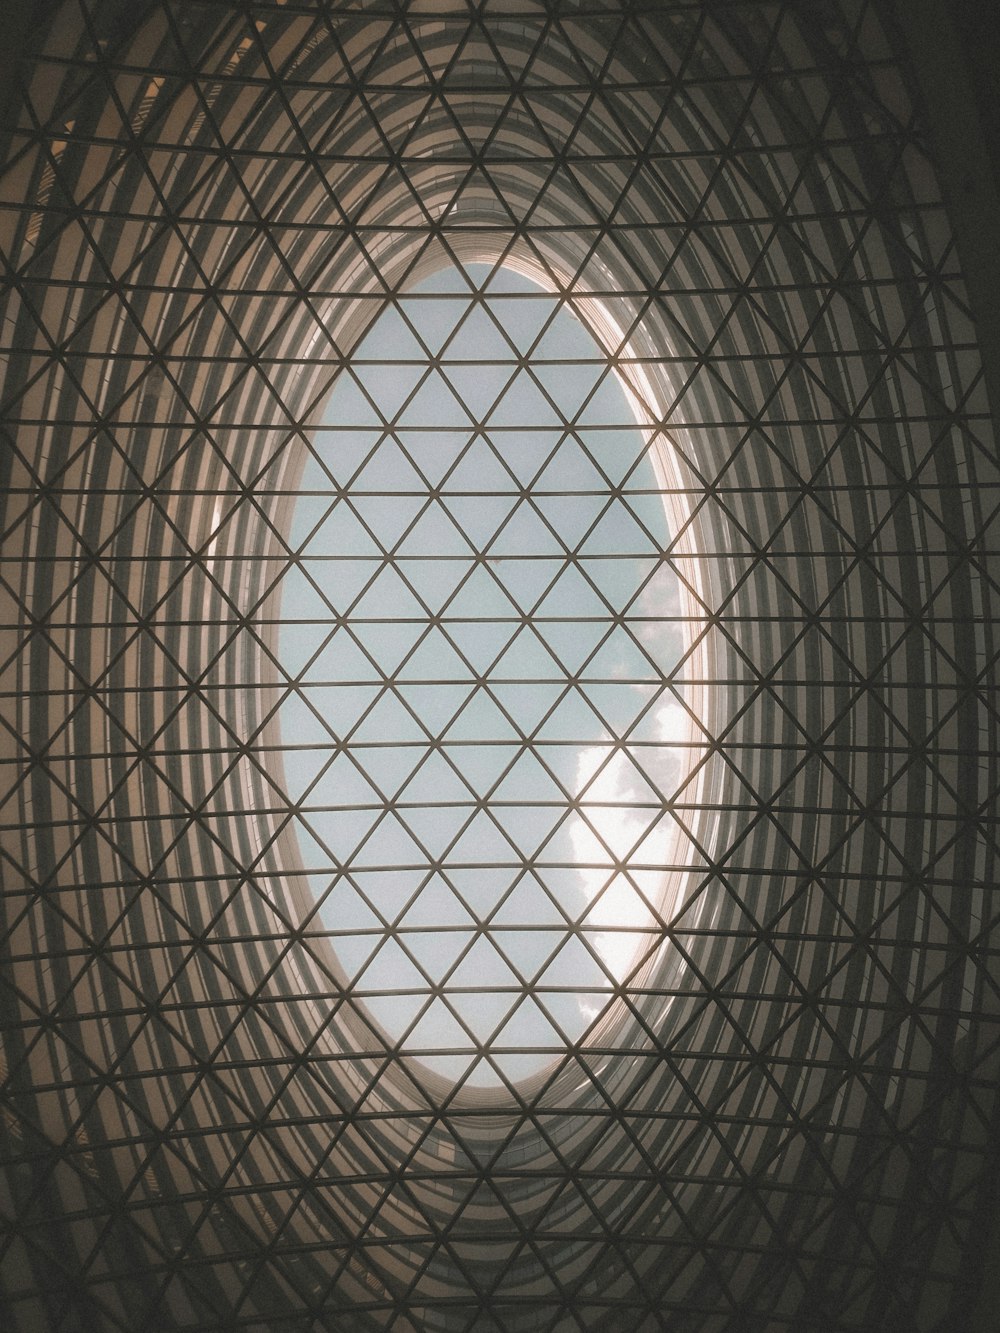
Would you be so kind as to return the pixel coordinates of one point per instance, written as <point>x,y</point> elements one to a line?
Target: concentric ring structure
<point>792,1122</point>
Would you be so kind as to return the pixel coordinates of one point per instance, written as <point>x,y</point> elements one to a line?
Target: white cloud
<point>617,807</point>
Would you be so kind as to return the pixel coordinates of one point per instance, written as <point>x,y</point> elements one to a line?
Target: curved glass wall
<point>792,1105</point>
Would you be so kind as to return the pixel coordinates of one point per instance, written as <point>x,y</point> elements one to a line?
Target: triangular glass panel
<point>573,642</point>
<point>341,784</point>
<point>481,720</point>
<point>619,658</point>
<point>394,1013</point>
<point>478,338</point>
<point>478,192</point>
<point>525,581</point>
<point>481,642</point>
<point>528,827</point>
<point>607,405</point>
<point>435,659</point>
<point>477,387</point>
<point>353,408</point>
<point>339,582</point>
<point>388,766</point>
<point>481,765</point>
<point>388,642</point>
<point>571,1013</point>
<point>572,516</point>
<point>529,905</point>
<point>526,704</point>
<point>341,533</point>
<point>388,598</point>
<point>525,534</point>
<point>436,535</point>
<point>433,316</point>
<point>389,339</point>
<point>482,887</point>
<point>526,450</point>
<point>390,970</point>
<point>445,276</point>
<point>391,892</point>
<point>388,469</point>
<point>436,905</point>
<point>333,711</point>
<point>484,968</point>
<point>524,404</point>
<point>313,849</point>
<point>618,534</point>
<point>619,704</point>
<point>296,716</point>
<point>306,624</point>
<point>528,780</point>
<point>576,841</point>
<point>389,845</point>
<point>482,596</point>
<point>618,579</point>
<point>435,704</point>
<point>435,827</point>
<point>569,385</point>
<point>359,930</point>
<point>439,1030</point>
<point>435,775</point>
<point>436,950</point>
<point>389,387</point>
<point>483,844</point>
<point>618,453</point>
<point>310,511</point>
<point>437,405</point>
<point>567,339</point>
<point>480,470</point>
<point>572,597</point>
<point>650,514</point>
<point>388,722</point>
<point>387,518</point>
<point>433,580</point>
<point>528,1026</point>
<point>527,658</point>
<point>433,452</point>
<point>572,469</point>
<point>665,843</point>
<point>575,965</point>
<point>522,317</point>
<point>479,516</point>
<point>573,719</point>
<point>301,763</point>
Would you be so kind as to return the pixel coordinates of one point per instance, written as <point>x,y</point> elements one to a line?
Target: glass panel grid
<point>208,1120</point>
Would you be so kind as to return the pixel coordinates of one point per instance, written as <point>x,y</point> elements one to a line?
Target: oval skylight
<point>480,628</point>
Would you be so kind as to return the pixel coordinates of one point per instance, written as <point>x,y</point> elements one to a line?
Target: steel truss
<point>786,1115</point>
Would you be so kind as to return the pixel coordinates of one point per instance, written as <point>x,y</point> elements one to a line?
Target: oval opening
<point>481,628</point>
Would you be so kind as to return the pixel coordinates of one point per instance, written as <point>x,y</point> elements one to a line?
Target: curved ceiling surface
<point>207,212</point>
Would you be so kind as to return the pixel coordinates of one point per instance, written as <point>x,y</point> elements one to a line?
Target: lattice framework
<point>206,208</point>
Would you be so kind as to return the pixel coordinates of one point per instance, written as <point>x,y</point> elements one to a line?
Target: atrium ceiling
<point>500,501</point>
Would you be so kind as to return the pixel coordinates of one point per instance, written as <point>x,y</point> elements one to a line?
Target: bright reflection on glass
<point>483,744</point>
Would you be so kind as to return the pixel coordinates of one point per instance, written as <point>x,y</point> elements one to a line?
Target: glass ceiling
<point>341,756</point>
<point>479,626</point>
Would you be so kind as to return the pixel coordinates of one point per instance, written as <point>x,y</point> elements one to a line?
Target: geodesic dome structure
<point>248,1081</point>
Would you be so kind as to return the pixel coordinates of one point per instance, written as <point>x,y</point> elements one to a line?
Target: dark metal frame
<point>796,1125</point>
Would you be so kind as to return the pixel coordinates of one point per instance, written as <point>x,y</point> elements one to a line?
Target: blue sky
<point>472,818</point>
